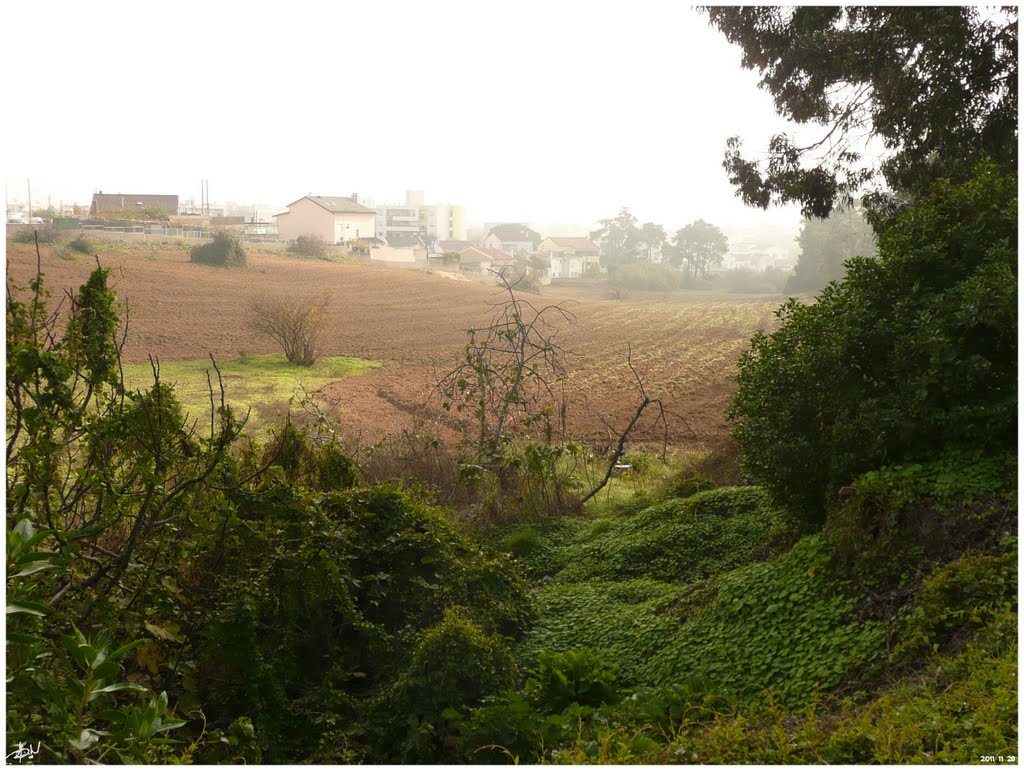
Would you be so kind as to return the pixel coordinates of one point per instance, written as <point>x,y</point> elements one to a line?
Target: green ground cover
<point>264,383</point>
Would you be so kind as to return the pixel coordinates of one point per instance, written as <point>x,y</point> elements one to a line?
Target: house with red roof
<point>571,256</point>
<point>484,261</point>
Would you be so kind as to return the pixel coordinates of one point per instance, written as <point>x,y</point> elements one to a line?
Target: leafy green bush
<point>83,244</point>
<point>309,245</point>
<point>897,521</point>
<point>522,541</point>
<point>962,596</point>
<point>223,251</point>
<point>347,582</point>
<point>913,354</point>
<point>573,677</point>
<point>454,665</point>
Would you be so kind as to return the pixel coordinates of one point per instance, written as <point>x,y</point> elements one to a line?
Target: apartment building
<point>416,223</point>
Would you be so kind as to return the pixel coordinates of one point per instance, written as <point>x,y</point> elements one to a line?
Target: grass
<point>264,383</point>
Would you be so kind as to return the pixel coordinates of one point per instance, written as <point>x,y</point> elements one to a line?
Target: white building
<point>420,224</point>
<point>335,219</point>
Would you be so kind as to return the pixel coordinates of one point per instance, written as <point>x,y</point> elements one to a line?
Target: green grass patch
<point>264,383</point>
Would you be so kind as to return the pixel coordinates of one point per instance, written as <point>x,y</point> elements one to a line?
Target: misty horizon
<point>551,115</point>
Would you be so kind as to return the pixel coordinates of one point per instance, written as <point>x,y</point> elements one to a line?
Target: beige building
<point>570,257</point>
<point>484,262</point>
<point>337,220</point>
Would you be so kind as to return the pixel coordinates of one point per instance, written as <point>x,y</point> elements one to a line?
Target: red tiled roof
<point>495,254</point>
<point>484,252</point>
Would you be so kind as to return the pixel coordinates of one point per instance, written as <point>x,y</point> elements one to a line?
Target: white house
<point>512,238</point>
<point>335,219</point>
<point>570,257</point>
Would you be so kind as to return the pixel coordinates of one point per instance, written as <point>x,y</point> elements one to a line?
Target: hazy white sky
<point>535,111</point>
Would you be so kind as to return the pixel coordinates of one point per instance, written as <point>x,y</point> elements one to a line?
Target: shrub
<point>657,278</point>
<point>747,281</point>
<point>309,245</point>
<point>913,354</point>
<point>455,664</point>
<point>573,677</point>
<point>83,244</point>
<point>522,541</point>
<point>296,324</point>
<point>224,251</point>
<point>47,234</point>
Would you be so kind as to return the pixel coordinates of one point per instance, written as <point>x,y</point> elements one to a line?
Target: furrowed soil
<point>686,345</point>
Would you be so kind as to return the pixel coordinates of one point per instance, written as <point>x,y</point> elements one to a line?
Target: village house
<point>336,219</point>
<point>514,238</point>
<point>484,261</point>
<point>571,257</point>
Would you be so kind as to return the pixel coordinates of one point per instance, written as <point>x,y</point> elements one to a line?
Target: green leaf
<point>170,725</point>
<point>24,606</point>
<point>121,687</point>
<point>35,567</point>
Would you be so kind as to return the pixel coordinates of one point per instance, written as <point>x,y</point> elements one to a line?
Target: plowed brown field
<point>686,345</point>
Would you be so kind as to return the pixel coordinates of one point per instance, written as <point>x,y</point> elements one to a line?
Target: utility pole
<point>29,181</point>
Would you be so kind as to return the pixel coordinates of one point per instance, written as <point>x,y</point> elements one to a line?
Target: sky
<point>520,111</point>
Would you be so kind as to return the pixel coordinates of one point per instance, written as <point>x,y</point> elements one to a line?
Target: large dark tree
<point>698,247</point>
<point>936,85</point>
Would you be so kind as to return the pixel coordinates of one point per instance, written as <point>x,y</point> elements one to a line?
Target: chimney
<point>355,197</point>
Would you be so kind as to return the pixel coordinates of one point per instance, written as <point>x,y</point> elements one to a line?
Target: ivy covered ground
<point>709,629</point>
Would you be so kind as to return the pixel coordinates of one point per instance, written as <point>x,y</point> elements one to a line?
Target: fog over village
<point>557,140</point>
<point>419,383</point>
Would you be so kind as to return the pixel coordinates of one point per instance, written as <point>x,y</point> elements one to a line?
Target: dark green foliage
<point>960,710</point>
<point>335,469</point>
<point>961,597</point>
<point>626,622</point>
<point>325,619</point>
<point>937,86</point>
<point>573,677</point>
<point>223,251</point>
<point>682,539</point>
<point>898,521</point>
<point>322,466</point>
<point>687,484</point>
<point>454,665</point>
<point>784,626</point>
<point>913,354</point>
<point>92,330</point>
<point>522,541</point>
